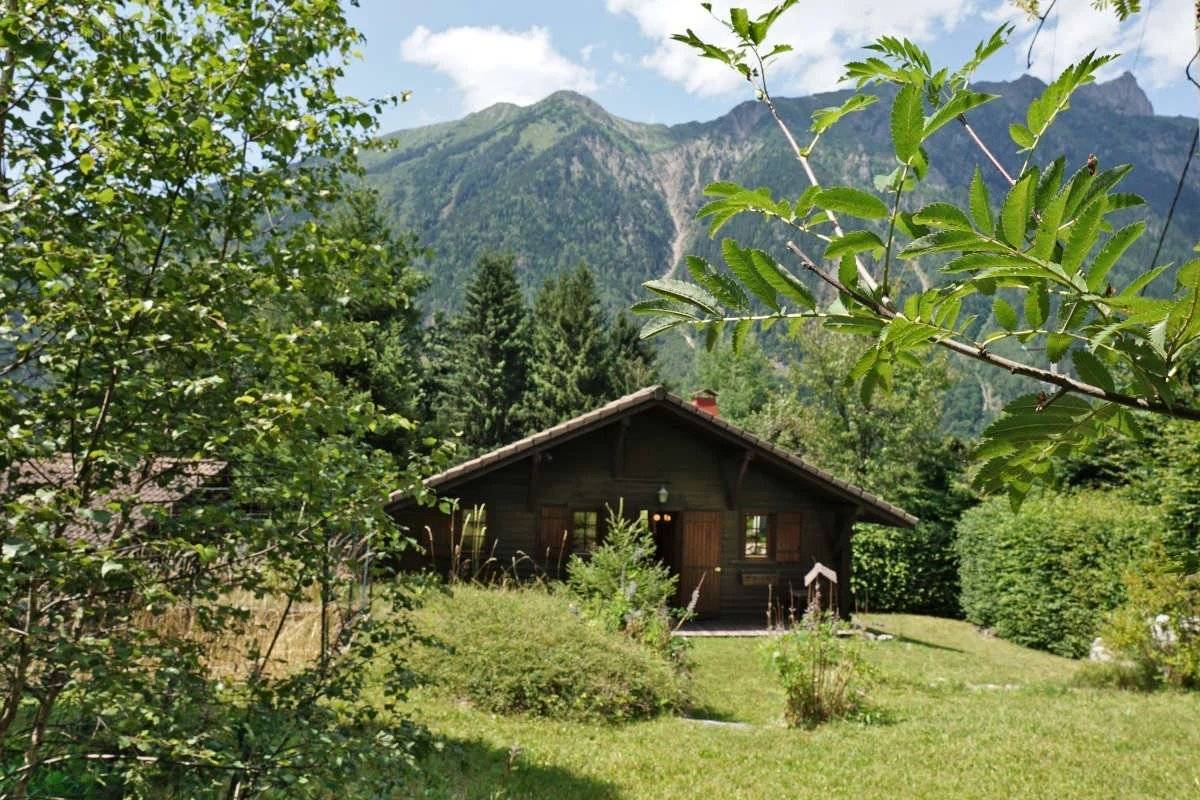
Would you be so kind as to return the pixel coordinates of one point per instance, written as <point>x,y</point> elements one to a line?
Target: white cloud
<point>492,65</point>
<point>586,51</point>
<point>823,39</point>
<point>1155,45</point>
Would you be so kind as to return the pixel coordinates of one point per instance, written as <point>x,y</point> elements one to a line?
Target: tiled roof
<point>166,481</point>
<point>874,509</point>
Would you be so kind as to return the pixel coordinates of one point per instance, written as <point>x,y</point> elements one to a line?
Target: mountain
<point>563,181</point>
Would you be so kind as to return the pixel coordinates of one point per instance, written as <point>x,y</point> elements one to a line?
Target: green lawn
<point>961,716</point>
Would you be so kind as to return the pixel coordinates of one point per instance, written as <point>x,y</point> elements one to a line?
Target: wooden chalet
<point>738,519</point>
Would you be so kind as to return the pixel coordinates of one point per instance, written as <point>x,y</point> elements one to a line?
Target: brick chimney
<point>706,400</point>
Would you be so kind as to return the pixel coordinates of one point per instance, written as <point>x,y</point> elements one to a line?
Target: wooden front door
<point>699,561</point>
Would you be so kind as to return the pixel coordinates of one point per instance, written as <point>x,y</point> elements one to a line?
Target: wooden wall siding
<point>699,472</point>
<point>554,538</point>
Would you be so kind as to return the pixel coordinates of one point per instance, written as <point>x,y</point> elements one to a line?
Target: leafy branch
<point>1047,252</point>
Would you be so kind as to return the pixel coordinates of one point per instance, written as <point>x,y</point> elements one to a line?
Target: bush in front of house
<point>1045,575</point>
<point>623,587</point>
<point>528,650</point>
<point>1154,636</point>
<point>824,676</point>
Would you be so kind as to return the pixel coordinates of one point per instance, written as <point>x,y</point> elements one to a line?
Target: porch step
<point>697,628</point>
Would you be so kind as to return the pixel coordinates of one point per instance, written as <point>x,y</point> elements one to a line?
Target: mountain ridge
<point>564,180</point>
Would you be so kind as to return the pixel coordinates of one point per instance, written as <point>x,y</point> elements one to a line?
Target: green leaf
<point>1014,213</point>
<point>1056,97</point>
<point>109,567</point>
<point>943,215</point>
<point>1021,135</point>
<point>720,285</point>
<point>86,162</point>
<point>685,293</point>
<point>1029,425</point>
<point>848,271</point>
<point>1056,346</point>
<point>857,203</point>
<point>1037,304</point>
<point>1083,236</point>
<point>1189,273</point>
<point>908,122</point>
<point>825,118</point>
<point>782,280</point>
<point>1111,252</point>
<point>1142,281</point>
<point>1048,183</point>
<point>963,101</point>
<point>807,200</point>
<point>1047,231</point>
<point>981,205</point>
<point>658,325</point>
<point>739,18</point>
<point>943,241</point>
<point>853,242</point>
<point>742,265</point>
<point>1091,369</point>
<point>657,307</point>
<point>740,329</point>
<point>712,335</point>
<point>1005,314</point>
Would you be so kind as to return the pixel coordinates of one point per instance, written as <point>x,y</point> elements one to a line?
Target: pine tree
<point>571,364</point>
<point>489,347</point>
<point>379,354</point>
<point>634,365</point>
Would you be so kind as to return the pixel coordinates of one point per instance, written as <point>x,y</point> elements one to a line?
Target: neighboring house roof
<point>160,482</point>
<point>872,508</point>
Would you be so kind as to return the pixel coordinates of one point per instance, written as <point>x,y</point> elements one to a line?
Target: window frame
<point>597,531</point>
<point>768,535</point>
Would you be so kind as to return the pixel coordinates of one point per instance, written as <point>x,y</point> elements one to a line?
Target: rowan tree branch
<point>979,352</point>
<point>962,118</point>
<point>864,274</point>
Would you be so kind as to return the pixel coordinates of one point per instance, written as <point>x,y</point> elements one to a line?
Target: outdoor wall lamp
<point>663,495</point>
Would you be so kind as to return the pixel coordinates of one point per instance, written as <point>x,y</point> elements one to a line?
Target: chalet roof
<point>160,481</point>
<point>871,508</point>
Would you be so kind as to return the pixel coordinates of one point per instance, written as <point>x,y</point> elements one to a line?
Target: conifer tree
<point>490,349</point>
<point>634,365</point>
<point>571,364</point>
<point>380,355</point>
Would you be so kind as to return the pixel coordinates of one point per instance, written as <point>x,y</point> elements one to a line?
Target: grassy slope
<point>963,716</point>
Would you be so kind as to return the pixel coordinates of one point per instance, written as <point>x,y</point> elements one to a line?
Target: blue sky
<point>458,56</point>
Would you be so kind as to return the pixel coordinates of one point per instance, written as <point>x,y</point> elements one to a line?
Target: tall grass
<point>274,636</point>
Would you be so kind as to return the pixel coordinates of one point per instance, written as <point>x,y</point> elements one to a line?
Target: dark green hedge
<point>1044,576</point>
<point>902,570</point>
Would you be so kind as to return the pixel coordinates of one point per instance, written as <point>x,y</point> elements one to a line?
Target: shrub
<point>1045,575</point>
<point>823,675</point>
<point>526,650</point>
<point>1156,631</point>
<point>908,570</point>
<point>624,588</point>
